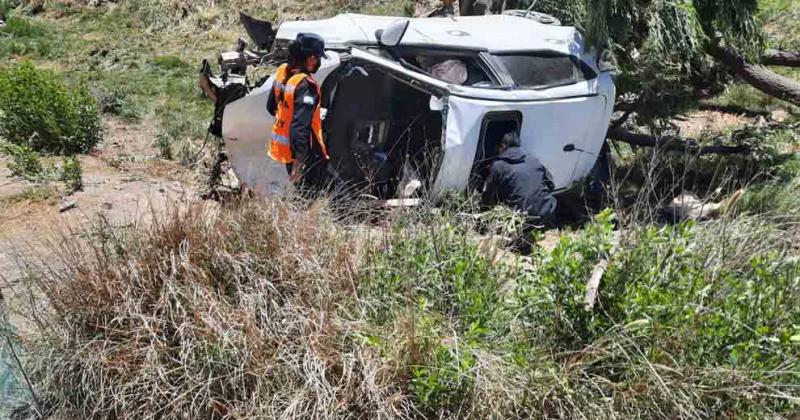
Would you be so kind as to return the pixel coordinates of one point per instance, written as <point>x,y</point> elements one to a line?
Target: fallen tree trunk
<point>781,58</point>
<point>756,75</point>
<point>671,143</point>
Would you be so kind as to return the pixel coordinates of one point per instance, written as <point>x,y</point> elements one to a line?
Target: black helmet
<point>311,44</point>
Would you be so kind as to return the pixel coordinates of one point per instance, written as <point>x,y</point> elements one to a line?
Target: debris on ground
<point>67,205</point>
<point>689,207</point>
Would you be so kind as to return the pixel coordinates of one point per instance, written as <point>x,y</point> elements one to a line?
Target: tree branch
<point>671,143</point>
<point>756,75</point>
<point>781,58</point>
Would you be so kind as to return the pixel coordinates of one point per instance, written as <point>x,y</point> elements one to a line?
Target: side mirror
<point>606,62</point>
<point>392,34</point>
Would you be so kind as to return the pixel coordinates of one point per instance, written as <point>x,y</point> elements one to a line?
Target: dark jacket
<point>520,182</point>
<point>300,132</point>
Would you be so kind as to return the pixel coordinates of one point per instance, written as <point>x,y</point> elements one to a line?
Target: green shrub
<point>550,296</point>
<point>25,162</point>
<point>40,110</point>
<point>440,267</point>
<point>71,174</point>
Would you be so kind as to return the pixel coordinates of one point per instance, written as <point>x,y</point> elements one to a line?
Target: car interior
<point>378,128</point>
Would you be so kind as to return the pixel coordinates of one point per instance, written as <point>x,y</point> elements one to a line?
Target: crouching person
<point>521,182</point>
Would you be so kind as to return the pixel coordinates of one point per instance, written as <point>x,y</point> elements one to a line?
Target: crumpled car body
<point>431,109</point>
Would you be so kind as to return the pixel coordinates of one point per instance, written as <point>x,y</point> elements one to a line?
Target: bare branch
<point>671,143</point>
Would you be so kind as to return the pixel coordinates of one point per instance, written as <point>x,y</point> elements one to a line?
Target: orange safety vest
<point>279,147</point>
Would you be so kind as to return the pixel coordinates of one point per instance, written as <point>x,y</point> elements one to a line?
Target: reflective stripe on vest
<point>280,145</point>
<point>280,139</point>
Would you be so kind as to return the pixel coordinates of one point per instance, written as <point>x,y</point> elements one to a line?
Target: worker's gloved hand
<point>297,171</point>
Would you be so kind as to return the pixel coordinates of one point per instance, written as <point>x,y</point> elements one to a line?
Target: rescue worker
<point>295,101</point>
<point>518,180</point>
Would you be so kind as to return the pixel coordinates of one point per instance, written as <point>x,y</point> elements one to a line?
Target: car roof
<point>493,33</point>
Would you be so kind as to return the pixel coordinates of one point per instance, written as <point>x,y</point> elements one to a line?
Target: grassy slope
<point>270,310</point>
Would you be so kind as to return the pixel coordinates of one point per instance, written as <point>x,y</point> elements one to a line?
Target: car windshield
<point>544,70</point>
<point>460,69</point>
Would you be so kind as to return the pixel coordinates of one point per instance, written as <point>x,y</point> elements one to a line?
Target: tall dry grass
<point>291,310</point>
<point>203,315</point>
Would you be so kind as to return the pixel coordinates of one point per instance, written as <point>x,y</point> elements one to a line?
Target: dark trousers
<point>314,177</point>
<point>523,243</point>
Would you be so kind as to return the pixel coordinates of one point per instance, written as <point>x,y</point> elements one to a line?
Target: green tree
<point>670,53</point>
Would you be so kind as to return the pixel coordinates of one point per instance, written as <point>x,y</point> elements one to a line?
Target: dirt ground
<point>124,183</point>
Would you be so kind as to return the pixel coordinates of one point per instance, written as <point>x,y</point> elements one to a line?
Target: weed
<point>22,37</point>
<point>32,194</point>
<point>38,109</point>
<point>178,129</point>
<point>164,145</point>
<point>119,102</point>
<point>26,163</point>
<point>251,308</point>
<point>171,63</point>
<point>71,174</point>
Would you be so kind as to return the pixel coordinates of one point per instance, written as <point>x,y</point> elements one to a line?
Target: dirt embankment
<point>123,183</point>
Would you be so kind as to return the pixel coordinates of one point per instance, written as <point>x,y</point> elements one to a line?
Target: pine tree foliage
<point>660,45</point>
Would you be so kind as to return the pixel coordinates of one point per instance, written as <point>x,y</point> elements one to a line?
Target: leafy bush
<point>40,110</point>
<point>551,295</point>
<point>25,162</point>
<point>439,267</point>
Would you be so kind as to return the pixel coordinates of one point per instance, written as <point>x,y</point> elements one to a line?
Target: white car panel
<point>546,128</point>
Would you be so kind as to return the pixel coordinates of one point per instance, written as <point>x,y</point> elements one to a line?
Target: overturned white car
<point>424,99</point>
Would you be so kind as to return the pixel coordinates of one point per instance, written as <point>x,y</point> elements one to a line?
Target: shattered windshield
<point>543,70</point>
<point>457,68</point>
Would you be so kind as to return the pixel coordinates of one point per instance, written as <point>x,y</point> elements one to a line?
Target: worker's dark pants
<point>523,243</point>
<point>313,180</point>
